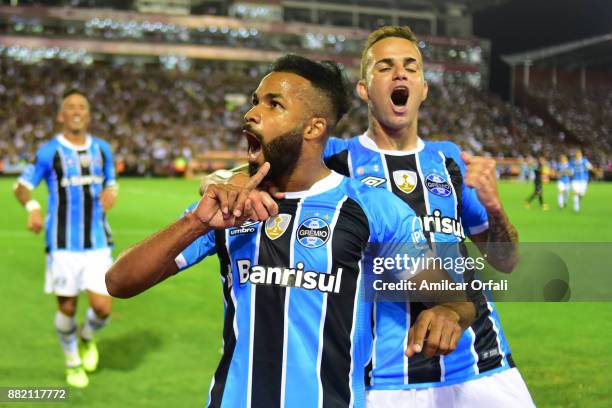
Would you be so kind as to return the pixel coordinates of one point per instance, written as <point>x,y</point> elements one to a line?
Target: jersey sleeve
<point>108,165</point>
<point>35,172</point>
<point>199,249</point>
<point>473,214</point>
<point>334,146</point>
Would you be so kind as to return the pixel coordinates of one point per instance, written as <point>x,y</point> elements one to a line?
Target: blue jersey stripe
<point>301,385</point>
<point>237,391</point>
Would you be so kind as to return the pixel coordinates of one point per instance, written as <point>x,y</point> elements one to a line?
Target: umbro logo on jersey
<point>438,185</point>
<point>289,277</point>
<point>246,228</point>
<point>373,181</point>
<point>405,180</point>
<point>313,232</point>
<point>489,354</point>
<point>275,227</point>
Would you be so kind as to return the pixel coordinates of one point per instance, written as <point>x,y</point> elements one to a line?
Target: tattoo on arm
<point>502,242</point>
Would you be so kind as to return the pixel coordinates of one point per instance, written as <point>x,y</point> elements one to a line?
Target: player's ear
<point>316,128</point>
<point>362,90</point>
<point>425,90</point>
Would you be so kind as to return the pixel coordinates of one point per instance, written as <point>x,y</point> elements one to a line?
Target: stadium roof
<point>590,52</point>
<point>470,5</point>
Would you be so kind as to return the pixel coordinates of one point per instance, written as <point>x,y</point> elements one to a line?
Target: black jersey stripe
<point>370,365</point>
<point>84,160</point>
<point>269,315</point>
<point>420,368</point>
<point>510,360</point>
<point>350,237</point>
<point>107,231</point>
<point>339,163</point>
<point>62,203</point>
<point>416,198</point>
<point>456,179</point>
<point>486,344</point>
<point>229,336</point>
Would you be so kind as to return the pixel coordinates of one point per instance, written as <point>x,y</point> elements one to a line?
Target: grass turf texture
<point>162,347</point>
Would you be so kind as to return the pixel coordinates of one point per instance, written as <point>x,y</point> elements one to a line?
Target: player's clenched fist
<point>481,175</point>
<point>107,198</point>
<point>227,205</point>
<point>35,221</point>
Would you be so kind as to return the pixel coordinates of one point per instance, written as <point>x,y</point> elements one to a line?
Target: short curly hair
<point>325,76</point>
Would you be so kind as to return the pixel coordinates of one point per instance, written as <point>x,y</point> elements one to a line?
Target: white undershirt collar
<point>325,184</point>
<point>69,144</point>
<point>369,143</point>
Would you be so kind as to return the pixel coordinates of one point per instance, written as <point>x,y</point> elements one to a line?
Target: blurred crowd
<point>153,116</point>
<point>588,115</point>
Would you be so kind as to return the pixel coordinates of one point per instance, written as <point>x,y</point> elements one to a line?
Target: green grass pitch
<point>162,347</point>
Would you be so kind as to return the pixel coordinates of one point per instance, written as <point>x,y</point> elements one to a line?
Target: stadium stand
<point>174,88</point>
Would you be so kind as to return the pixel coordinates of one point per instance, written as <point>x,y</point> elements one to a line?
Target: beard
<point>282,153</point>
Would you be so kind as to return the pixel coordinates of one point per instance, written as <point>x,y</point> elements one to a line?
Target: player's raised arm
<point>500,241</point>
<point>224,176</point>
<point>153,260</point>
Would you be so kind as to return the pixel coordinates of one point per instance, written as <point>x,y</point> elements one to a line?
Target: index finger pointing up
<point>258,177</point>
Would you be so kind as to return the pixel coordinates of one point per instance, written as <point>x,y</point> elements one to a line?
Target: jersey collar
<point>67,143</point>
<point>369,143</point>
<point>321,186</point>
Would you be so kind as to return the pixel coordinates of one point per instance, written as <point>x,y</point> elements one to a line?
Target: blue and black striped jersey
<point>295,331</point>
<point>580,169</point>
<point>564,172</point>
<point>429,180</point>
<point>75,177</point>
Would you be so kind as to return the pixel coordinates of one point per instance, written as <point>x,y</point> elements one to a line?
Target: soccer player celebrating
<point>580,177</point>
<point>79,172</point>
<point>295,333</point>
<point>564,174</point>
<point>455,195</point>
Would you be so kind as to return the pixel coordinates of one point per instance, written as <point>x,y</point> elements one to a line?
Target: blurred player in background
<point>564,174</point>
<point>580,167</point>
<point>539,175</point>
<point>79,172</point>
